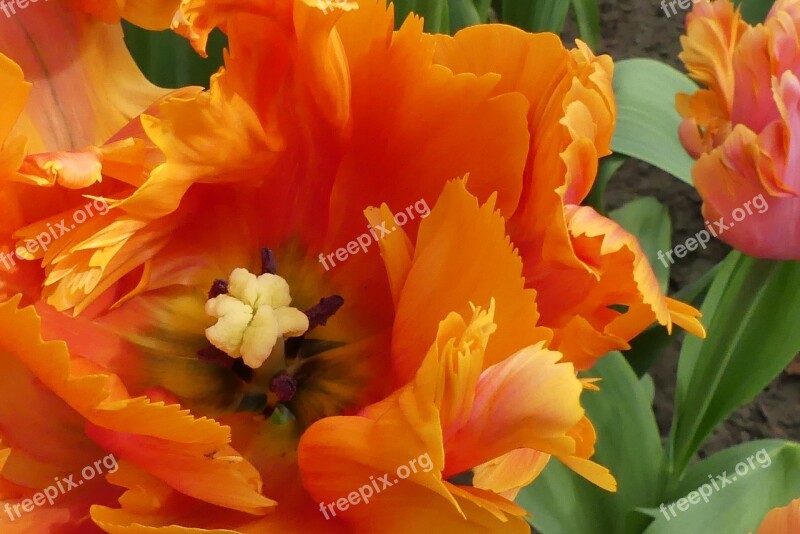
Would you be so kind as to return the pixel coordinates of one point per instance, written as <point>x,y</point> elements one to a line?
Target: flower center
<point>253,316</point>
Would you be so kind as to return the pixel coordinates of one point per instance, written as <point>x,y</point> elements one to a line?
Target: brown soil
<point>639,28</point>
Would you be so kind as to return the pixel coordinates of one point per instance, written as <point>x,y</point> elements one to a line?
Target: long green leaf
<point>609,165</point>
<point>562,501</point>
<point>767,477</point>
<point>435,12</point>
<point>752,313</point>
<point>482,6</point>
<point>587,15</point>
<point>463,13</point>
<point>535,15</point>
<point>755,11</point>
<point>647,122</point>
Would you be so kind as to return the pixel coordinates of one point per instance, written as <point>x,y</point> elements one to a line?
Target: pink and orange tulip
<point>744,127</point>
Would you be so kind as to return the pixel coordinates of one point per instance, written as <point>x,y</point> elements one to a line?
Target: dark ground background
<point>639,28</point>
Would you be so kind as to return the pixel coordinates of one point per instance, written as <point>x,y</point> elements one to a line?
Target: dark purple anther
<point>219,287</point>
<point>319,314</point>
<point>284,386</point>
<point>268,262</point>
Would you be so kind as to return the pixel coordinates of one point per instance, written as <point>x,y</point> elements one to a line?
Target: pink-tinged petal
<point>753,104</point>
<point>732,177</point>
<point>85,84</point>
<point>514,408</point>
<point>73,170</point>
<point>787,98</point>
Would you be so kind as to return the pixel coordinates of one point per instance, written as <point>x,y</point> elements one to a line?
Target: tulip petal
<point>514,408</point>
<point>196,446</point>
<point>458,218</point>
<point>784,520</point>
<point>85,84</point>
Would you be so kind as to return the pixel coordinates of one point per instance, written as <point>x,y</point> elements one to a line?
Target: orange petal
<point>85,84</point>
<point>526,401</point>
<point>187,445</point>
<point>511,472</point>
<point>457,218</point>
<point>585,437</point>
<point>576,302</point>
<point>467,127</point>
<point>784,520</point>
<point>712,33</point>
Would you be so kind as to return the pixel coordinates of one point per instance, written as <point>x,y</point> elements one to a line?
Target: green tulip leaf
<point>732,490</point>
<point>535,15</point>
<point>751,312</point>
<point>435,12</point>
<point>608,166</point>
<point>647,122</point>
<point>587,16</point>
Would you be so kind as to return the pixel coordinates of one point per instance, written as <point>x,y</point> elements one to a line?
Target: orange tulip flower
<point>317,363</point>
<point>741,127</point>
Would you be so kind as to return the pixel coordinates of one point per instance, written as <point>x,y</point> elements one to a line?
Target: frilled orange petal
<point>569,94</point>
<point>784,520</point>
<point>269,445</point>
<point>340,455</point>
<point>150,506</point>
<point>579,300</point>
<point>259,128</point>
<point>85,84</point>
<point>185,452</point>
<point>456,219</point>
<point>398,155</point>
<point>396,249</point>
<point>713,30</point>
<point>571,119</point>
